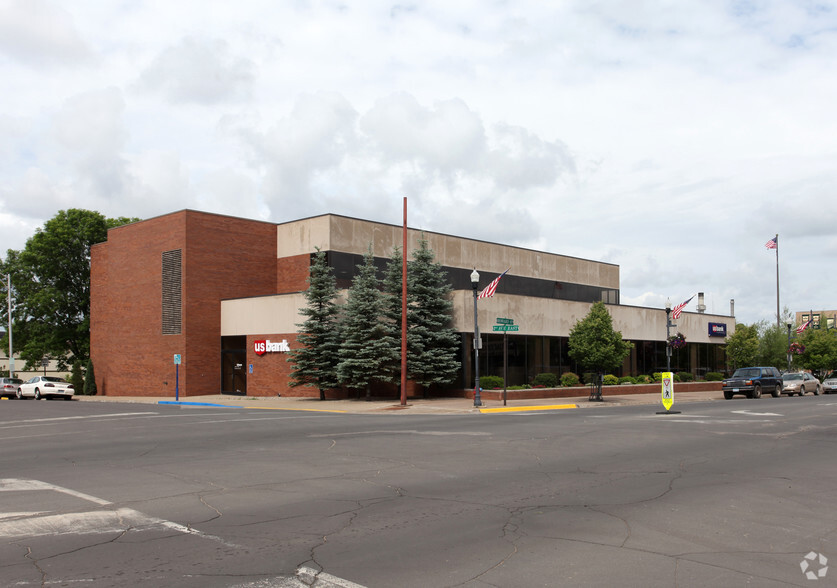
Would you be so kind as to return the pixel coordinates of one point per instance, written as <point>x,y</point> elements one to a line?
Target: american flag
<point>489,290</point>
<point>773,243</point>
<point>675,312</point>
<point>803,326</point>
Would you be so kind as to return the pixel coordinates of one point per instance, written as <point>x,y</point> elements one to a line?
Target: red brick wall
<point>292,273</point>
<point>223,257</point>
<point>271,371</point>
<point>271,374</point>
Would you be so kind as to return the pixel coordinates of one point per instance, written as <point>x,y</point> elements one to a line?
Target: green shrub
<point>643,379</point>
<point>517,387</point>
<point>545,380</point>
<point>714,376</point>
<point>685,376</point>
<point>570,379</point>
<point>76,378</point>
<point>610,380</point>
<point>589,377</point>
<point>658,376</point>
<point>491,382</point>
<point>627,380</point>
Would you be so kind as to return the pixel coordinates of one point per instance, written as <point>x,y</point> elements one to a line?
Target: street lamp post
<point>475,280</point>
<point>789,344</point>
<point>668,334</point>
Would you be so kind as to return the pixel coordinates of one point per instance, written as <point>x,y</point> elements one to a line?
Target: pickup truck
<point>750,382</point>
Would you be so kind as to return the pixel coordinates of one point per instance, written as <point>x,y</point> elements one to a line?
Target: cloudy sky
<point>672,138</point>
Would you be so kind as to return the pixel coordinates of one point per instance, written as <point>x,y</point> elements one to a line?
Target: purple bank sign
<point>717,329</point>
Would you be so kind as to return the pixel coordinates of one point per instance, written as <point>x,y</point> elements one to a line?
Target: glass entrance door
<point>234,365</point>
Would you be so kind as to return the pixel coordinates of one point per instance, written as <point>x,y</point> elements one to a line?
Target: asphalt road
<point>729,493</point>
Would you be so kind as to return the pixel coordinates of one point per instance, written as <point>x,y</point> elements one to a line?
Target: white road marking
<point>305,578</point>
<point>99,521</point>
<point>17,515</point>
<point>73,418</point>
<point>748,413</point>
<point>403,432</point>
<point>308,575</point>
<point>15,484</point>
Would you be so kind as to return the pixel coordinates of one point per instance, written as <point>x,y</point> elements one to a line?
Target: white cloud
<point>672,139</point>
<point>200,71</point>
<point>38,33</point>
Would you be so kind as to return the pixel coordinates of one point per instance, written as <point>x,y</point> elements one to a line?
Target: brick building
<point>223,293</point>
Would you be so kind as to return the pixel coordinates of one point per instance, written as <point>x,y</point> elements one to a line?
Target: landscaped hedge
<point>545,380</point>
<point>713,376</point>
<point>491,382</point>
<point>570,379</point>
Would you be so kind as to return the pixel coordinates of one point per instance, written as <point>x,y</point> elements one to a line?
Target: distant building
<point>222,294</point>
<point>820,318</point>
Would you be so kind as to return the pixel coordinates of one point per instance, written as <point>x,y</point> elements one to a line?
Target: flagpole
<point>778,316</point>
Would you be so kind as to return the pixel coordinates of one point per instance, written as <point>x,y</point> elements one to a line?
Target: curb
<point>528,408</point>
<point>213,405</point>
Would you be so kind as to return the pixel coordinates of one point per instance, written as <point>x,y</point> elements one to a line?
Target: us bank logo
<point>267,346</point>
<point>814,566</point>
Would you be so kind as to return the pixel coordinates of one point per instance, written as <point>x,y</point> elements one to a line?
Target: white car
<point>45,387</point>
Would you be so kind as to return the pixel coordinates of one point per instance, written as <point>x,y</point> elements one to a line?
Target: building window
<point>172,289</point>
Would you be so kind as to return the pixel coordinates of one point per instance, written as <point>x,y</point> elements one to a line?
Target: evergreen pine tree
<point>77,377</point>
<point>89,380</point>
<point>368,351</point>
<point>433,345</point>
<point>315,362</point>
<point>392,303</point>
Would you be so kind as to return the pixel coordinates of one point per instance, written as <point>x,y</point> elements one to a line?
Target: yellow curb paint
<point>527,408</point>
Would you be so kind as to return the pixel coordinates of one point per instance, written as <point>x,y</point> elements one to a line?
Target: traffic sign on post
<point>668,389</point>
<point>667,381</point>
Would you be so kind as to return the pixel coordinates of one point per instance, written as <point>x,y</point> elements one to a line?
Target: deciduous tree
<point>594,344</point>
<point>742,347</point>
<point>820,353</point>
<point>51,286</point>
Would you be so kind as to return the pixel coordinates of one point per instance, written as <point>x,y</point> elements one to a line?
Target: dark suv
<point>750,381</point>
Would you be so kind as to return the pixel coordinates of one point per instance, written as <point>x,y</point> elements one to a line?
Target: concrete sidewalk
<point>413,406</point>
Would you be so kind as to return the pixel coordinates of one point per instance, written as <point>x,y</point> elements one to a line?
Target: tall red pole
<point>404,310</point>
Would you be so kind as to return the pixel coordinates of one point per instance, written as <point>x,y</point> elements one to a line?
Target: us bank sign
<point>267,346</point>
<point>717,329</point>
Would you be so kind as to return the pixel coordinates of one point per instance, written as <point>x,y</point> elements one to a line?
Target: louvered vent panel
<point>172,287</point>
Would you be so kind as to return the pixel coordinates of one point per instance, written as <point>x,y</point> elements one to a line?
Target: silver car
<point>829,385</point>
<point>800,383</point>
<point>8,387</point>
<point>46,387</point>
